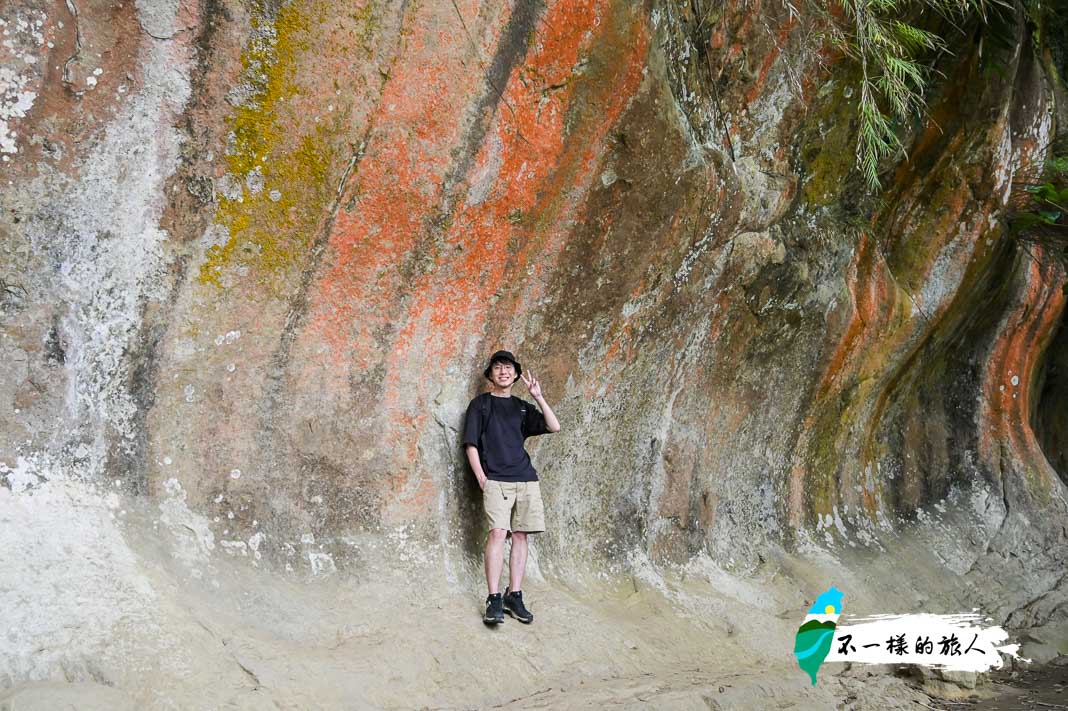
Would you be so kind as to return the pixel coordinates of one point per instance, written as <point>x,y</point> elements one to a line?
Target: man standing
<point>496,426</point>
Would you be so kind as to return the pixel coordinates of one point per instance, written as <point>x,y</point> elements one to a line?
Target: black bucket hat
<point>503,355</point>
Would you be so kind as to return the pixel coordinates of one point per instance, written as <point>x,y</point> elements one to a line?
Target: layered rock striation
<point>256,254</point>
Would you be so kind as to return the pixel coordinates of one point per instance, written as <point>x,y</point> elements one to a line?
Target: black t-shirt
<point>501,449</point>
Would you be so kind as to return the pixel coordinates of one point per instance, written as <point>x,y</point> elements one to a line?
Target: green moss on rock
<point>828,152</point>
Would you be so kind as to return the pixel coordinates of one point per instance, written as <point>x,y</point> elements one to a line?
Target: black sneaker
<point>513,603</point>
<point>494,610</point>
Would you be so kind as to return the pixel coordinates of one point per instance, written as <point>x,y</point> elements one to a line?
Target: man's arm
<point>472,435</point>
<point>534,388</point>
<point>551,422</point>
<point>476,465</point>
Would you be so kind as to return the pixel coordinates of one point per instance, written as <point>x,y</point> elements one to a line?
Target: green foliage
<point>895,56</point>
<point>1058,165</point>
<point>1039,204</point>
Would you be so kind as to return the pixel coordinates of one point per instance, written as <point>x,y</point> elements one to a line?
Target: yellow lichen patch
<point>364,16</point>
<point>280,156</point>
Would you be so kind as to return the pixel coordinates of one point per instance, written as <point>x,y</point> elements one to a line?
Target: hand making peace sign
<point>533,386</point>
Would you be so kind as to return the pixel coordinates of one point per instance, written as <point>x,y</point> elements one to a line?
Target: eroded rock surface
<point>256,253</point>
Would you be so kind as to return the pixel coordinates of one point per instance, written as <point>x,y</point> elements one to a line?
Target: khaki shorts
<point>514,506</point>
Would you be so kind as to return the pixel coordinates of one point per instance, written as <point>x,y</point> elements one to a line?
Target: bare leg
<point>517,561</point>
<point>495,558</point>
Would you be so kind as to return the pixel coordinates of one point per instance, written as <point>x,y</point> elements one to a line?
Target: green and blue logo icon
<point>816,635</point>
<point>956,641</point>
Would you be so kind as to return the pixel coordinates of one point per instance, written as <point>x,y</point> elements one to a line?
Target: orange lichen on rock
<point>1010,376</point>
<point>870,330</point>
<point>396,192</point>
<point>538,161</point>
<point>769,60</point>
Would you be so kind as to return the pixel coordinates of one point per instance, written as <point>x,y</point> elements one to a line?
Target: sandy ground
<point>1027,689</point>
<point>257,642</point>
<point>111,608</point>
<point>244,638</point>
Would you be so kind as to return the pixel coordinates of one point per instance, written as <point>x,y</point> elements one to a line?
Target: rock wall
<point>256,254</point>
